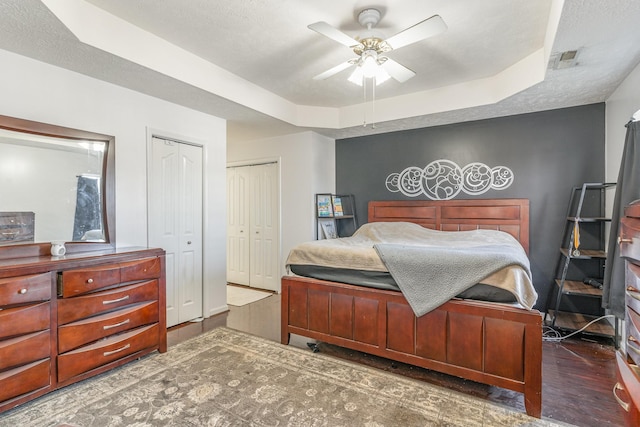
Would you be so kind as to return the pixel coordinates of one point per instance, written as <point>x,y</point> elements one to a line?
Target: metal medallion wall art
<point>444,179</point>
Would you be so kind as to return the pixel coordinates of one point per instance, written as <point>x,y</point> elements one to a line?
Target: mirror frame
<point>108,188</point>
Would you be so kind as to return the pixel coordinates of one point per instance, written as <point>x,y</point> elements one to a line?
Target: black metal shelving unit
<point>577,295</point>
<point>335,212</point>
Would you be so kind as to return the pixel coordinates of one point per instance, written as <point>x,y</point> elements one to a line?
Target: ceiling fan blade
<point>397,71</point>
<point>422,30</point>
<point>333,33</point>
<point>334,70</point>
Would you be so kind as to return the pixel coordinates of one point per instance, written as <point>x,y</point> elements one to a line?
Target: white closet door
<point>190,221</point>
<point>264,228</point>
<point>238,191</point>
<point>253,206</point>
<point>175,223</point>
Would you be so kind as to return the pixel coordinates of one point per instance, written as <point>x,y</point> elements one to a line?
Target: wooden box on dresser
<point>65,319</point>
<point>627,389</point>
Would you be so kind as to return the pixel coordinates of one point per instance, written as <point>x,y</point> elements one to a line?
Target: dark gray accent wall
<point>549,153</point>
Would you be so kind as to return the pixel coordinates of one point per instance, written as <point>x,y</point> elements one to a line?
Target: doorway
<point>175,177</point>
<point>253,226</point>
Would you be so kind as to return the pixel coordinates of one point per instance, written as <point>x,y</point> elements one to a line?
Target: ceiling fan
<point>371,50</point>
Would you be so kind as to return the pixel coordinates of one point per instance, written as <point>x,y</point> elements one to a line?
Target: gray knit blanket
<point>429,276</point>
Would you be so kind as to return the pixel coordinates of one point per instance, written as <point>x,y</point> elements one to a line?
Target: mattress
<point>384,280</point>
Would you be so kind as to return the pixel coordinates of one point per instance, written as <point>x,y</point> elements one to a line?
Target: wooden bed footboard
<point>494,344</point>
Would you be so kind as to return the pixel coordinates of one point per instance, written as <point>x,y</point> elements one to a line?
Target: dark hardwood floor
<point>578,376</point>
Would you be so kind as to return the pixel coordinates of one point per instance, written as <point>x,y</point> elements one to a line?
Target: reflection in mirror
<point>52,187</point>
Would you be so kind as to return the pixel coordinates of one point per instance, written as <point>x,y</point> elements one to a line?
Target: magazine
<point>324,206</point>
<point>337,206</point>
<point>329,230</point>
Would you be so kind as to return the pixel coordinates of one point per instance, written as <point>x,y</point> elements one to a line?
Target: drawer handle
<point>107,302</point>
<point>624,240</point>
<point>633,293</point>
<point>124,322</point>
<point>22,291</point>
<point>109,353</point>
<point>89,280</point>
<point>621,402</point>
<point>633,345</point>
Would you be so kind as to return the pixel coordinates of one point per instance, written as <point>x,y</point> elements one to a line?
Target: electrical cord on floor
<point>551,335</point>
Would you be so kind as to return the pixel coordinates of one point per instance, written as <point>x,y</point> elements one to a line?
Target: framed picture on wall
<point>329,230</point>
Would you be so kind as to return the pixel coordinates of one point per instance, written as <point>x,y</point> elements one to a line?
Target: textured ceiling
<point>268,44</point>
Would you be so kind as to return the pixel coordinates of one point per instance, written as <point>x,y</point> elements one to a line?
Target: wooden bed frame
<point>490,343</point>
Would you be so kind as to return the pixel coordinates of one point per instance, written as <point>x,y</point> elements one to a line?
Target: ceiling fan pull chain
<point>364,102</point>
<point>373,102</point>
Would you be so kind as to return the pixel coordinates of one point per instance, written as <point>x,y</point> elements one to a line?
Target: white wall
<point>37,91</point>
<point>307,166</point>
<point>620,106</point>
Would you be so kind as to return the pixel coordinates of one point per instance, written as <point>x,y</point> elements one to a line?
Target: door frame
<point>278,162</point>
<point>182,139</point>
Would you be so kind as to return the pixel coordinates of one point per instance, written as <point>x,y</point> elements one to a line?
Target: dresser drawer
<point>25,289</point>
<point>633,209</point>
<point>76,334</point>
<point>629,238</point>
<point>78,282</point>
<point>632,298</point>
<point>24,379</point>
<point>143,269</point>
<point>633,275</point>
<point>102,352</point>
<point>24,319</point>
<point>633,335</point>
<point>72,309</point>
<point>627,390</point>
<point>24,349</point>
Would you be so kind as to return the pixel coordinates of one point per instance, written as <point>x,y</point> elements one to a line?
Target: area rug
<point>228,378</point>
<point>239,296</point>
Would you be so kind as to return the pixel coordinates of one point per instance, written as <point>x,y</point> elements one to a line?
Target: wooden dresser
<point>65,319</point>
<point>627,389</point>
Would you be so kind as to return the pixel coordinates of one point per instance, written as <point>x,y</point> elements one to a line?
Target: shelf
<point>575,321</point>
<point>585,253</point>
<point>337,217</point>
<point>590,219</point>
<point>573,287</point>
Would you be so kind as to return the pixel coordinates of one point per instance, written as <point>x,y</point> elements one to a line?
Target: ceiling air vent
<point>565,59</point>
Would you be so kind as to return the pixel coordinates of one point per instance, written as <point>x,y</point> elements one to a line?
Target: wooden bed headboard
<point>508,215</point>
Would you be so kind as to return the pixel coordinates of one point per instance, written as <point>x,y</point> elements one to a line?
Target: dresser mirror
<point>56,184</point>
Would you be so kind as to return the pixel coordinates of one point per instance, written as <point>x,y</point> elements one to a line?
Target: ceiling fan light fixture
<point>369,63</point>
<point>381,75</point>
<point>357,77</point>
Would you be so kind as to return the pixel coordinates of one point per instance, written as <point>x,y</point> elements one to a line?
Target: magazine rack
<point>335,215</point>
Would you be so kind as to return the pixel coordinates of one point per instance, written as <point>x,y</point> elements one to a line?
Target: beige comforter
<point>358,252</point>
